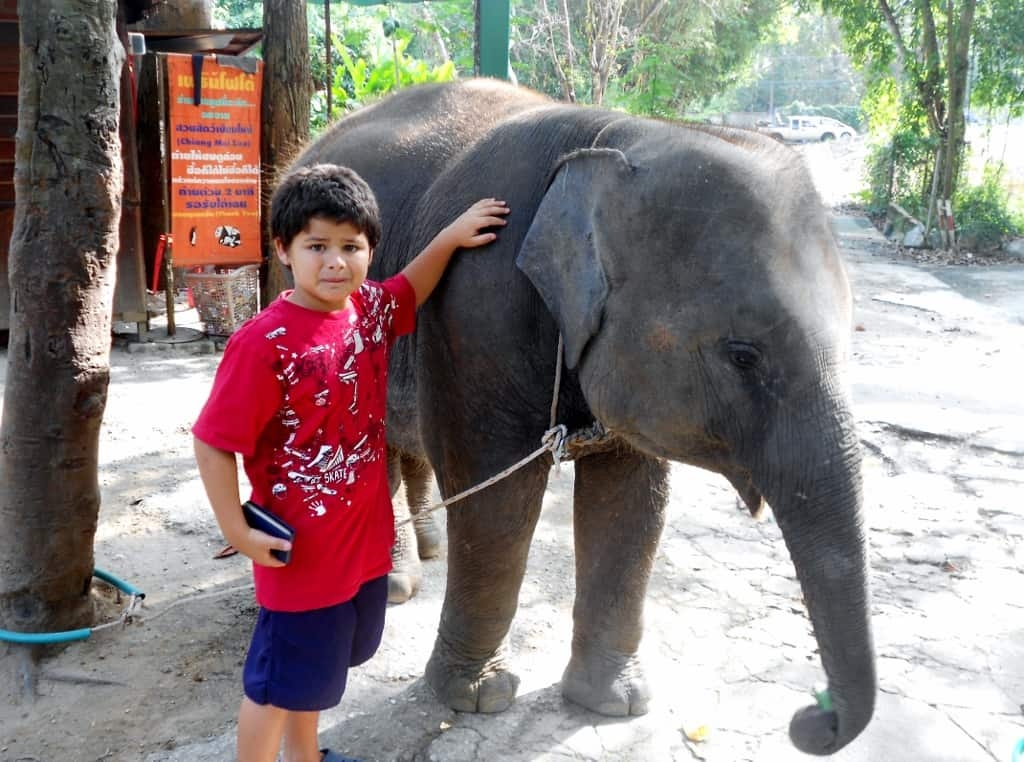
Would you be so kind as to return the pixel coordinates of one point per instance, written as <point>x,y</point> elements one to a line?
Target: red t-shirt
<point>302,396</point>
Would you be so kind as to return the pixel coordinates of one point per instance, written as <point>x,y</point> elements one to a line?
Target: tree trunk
<point>959,40</point>
<point>287,87</point>
<point>565,72</point>
<point>604,26</point>
<point>68,180</point>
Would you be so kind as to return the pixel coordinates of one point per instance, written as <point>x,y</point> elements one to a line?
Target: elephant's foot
<point>402,587</point>
<point>612,685</point>
<point>485,687</point>
<point>428,535</point>
<point>406,570</point>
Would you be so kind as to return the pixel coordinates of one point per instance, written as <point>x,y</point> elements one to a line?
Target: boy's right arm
<point>219,471</point>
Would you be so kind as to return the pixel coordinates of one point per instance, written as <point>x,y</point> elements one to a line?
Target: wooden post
<point>161,92</point>
<point>328,63</point>
<point>492,19</point>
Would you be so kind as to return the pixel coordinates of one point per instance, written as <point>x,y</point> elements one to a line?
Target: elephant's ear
<point>560,255</point>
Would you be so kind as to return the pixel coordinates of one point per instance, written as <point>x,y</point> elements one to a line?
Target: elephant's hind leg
<point>488,542</point>
<point>406,571</point>
<point>618,516</point>
<point>416,474</point>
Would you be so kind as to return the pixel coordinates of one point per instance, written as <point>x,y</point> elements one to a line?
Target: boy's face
<point>329,261</point>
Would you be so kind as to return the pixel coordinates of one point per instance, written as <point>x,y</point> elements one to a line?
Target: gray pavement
<point>936,377</point>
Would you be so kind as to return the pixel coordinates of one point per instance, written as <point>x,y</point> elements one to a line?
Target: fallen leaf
<point>226,552</point>
<point>697,734</point>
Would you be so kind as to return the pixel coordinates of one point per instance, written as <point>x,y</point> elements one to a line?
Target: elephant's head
<point>703,303</point>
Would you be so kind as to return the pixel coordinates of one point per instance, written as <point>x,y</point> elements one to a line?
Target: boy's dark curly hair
<point>323,190</point>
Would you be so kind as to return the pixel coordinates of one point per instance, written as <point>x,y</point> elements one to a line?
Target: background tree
<point>918,52</point>
<point>647,56</point>
<point>287,87</point>
<point>681,55</point>
<point>998,56</point>
<point>68,180</point>
<point>801,68</point>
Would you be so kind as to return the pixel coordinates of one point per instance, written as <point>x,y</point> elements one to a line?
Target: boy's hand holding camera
<point>257,545</point>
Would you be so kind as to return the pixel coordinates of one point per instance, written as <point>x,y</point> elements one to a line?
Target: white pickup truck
<point>808,129</point>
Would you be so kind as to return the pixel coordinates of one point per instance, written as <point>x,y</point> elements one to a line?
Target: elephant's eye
<point>744,356</point>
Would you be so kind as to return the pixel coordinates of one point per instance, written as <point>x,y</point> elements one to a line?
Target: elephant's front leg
<point>618,516</point>
<point>488,542</point>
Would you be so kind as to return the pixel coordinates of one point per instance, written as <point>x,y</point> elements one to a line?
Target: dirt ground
<point>152,689</point>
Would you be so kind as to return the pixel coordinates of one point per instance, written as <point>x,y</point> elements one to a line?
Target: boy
<point>300,393</point>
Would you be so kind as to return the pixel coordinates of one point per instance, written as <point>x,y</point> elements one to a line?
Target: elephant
<point>417,536</point>
<point>684,284</point>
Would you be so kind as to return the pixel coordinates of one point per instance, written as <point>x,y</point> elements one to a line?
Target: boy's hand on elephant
<point>468,230</point>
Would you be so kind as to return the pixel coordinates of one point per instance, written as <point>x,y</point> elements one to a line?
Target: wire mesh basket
<point>225,299</point>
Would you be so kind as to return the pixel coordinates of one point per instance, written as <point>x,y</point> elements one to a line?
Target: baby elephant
<point>683,285</point>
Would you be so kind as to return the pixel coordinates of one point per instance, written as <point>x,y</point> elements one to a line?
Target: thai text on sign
<point>214,139</point>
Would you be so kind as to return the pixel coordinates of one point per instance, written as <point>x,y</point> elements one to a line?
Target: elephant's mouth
<point>744,486</point>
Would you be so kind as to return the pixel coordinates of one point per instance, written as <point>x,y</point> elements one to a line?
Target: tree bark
<point>68,179</point>
<point>959,42</point>
<point>287,87</point>
<point>604,27</point>
<point>565,73</point>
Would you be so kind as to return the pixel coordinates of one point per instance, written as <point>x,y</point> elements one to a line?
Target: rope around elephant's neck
<point>553,441</point>
<point>558,385</point>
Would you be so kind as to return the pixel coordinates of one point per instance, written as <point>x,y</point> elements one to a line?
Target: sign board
<point>213,135</point>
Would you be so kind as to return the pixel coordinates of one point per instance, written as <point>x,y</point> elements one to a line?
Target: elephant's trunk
<point>821,520</point>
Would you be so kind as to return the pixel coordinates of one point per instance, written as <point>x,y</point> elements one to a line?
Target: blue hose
<point>120,584</point>
<point>41,638</point>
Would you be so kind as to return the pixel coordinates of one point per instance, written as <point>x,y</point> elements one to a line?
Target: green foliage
<point>695,52</point>
<point>915,68</point>
<point>661,77</point>
<point>901,159</point>
<point>667,56</point>
<point>999,55</point>
<point>238,14</point>
<point>803,60</point>
<point>899,170</point>
<point>983,211</point>
<point>363,79</point>
<point>359,81</point>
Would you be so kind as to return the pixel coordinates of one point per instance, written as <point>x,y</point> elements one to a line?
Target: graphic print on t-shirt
<point>333,416</point>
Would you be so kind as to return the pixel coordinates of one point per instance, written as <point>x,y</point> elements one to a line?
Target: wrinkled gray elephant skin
<point>417,536</point>
<point>705,311</point>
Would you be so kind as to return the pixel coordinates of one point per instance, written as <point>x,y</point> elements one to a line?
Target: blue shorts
<point>299,660</point>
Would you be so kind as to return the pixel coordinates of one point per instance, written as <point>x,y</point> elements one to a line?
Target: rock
<point>1015,247</point>
<point>914,238</point>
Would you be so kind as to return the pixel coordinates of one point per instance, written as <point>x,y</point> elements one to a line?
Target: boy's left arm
<point>425,271</point>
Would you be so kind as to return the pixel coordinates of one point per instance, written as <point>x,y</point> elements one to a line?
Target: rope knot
<point>554,440</point>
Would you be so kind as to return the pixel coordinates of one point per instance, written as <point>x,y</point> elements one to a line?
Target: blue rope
<point>67,636</point>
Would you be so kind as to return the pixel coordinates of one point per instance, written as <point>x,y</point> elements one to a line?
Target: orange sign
<point>214,135</point>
